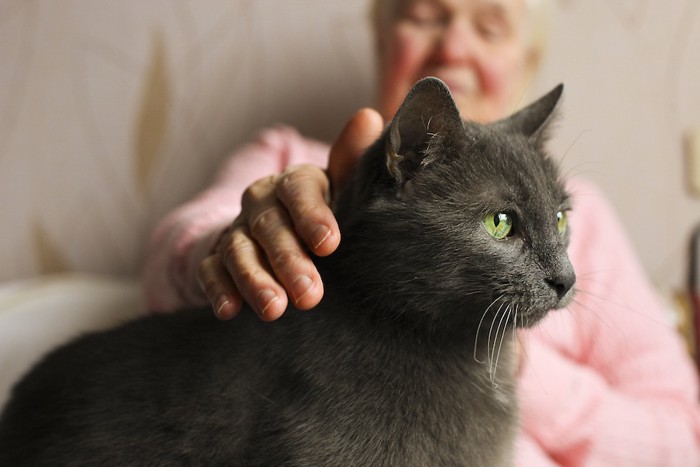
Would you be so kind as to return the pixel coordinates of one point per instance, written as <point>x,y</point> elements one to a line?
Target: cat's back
<point>394,366</point>
<point>190,390</point>
<point>167,382</point>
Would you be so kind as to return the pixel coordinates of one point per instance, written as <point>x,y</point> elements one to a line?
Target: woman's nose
<point>457,42</point>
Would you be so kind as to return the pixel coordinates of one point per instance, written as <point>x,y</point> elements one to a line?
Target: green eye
<point>498,225</point>
<point>562,221</point>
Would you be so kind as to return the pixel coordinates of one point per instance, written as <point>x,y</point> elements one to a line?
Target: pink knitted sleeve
<point>188,234</point>
<point>607,382</point>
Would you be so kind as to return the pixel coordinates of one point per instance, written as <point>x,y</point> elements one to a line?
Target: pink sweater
<point>606,382</point>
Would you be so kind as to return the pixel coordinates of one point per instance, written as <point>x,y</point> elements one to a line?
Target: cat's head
<point>458,222</point>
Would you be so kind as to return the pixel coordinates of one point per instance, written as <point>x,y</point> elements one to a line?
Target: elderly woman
<point>606,383</point>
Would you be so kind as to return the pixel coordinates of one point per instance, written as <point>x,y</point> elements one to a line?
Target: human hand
<point>260,258</point>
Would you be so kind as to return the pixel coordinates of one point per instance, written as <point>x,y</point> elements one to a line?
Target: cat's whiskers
<point>576,307</point>
<point>489,358</point>
<point>584,306</point>
<point>582,321</point>
<point>478,328</point>
<point>515,327</point>
<point>578,171</point>
<point>573,143</point>
<point>623,306</point>
<point>592,318</point>
<point>491,352</point>
<point>494,365</point>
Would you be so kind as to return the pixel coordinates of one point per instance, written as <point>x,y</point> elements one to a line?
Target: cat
<point>454,234</point>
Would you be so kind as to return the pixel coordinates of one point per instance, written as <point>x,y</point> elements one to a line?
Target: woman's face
<point>478,47</point>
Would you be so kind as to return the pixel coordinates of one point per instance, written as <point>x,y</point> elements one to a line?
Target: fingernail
<point>320,235</point>
<point>301,287</point>
<point>265,298</point>
<point>220,304</point>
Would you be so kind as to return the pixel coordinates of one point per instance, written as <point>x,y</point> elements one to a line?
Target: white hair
<point>383,13</point>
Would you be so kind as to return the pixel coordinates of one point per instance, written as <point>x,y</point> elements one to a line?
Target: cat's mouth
<point>524,311</point>
<point>537,311</point>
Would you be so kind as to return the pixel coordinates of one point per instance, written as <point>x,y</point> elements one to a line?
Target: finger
<point>273,231</point>
<point>304,191</point>
<point>247,267</point>
<point>219,288</point>
<point>269,225</point>
<point>358,135</point>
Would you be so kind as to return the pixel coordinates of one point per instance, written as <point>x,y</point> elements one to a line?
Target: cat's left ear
<point>415,135</point>
<point>533,120</point>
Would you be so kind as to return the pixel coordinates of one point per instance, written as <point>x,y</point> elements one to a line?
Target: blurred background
<point>112,113</point>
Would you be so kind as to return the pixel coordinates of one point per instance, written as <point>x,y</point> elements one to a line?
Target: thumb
<point>357,135</point>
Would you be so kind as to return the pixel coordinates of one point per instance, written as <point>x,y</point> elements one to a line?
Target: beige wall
<point>632,71</point>
<point>113,112</point>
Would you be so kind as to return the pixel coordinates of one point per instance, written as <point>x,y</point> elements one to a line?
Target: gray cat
<point>454,234</point>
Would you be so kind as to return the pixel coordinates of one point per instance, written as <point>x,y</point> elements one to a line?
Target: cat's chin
<point>565,301</point>
<point>528,320</point>
<point>536,314</point>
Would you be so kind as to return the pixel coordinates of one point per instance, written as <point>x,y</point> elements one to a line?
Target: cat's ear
<point>415,135</point>
<point>533,120</point>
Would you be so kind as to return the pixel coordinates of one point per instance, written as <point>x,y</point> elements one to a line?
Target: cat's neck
<point>402,316</point>
<point>411,347</point>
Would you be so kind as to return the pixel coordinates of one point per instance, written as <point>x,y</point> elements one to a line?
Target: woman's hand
<point>260,258</point>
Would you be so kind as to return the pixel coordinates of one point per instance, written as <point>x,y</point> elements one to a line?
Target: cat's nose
<point>562,282</point>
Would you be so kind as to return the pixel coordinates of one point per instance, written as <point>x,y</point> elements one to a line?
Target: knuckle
<point>257,191</point>
<point>206,275</point>
<point>285,260</point>
<point>203,271</point>
<point>266,222</point>
<point>238,245</point>
<point>242,262</point>
<point>299,180</point>
<point>310,211</point>
<point>239,225</point>
<point>305,196</point>
<point>225,238</point>
<point>249,278</point>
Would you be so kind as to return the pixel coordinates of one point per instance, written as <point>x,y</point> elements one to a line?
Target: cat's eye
<point>562,222</point>
<point>499,225</point>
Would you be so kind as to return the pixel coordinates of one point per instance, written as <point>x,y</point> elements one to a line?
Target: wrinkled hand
<point>260,258</point>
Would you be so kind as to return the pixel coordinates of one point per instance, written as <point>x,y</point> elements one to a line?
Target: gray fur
<point>396,366</point>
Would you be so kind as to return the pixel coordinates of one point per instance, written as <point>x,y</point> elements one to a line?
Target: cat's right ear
<point>416,134</point>
<point>533,120</point>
